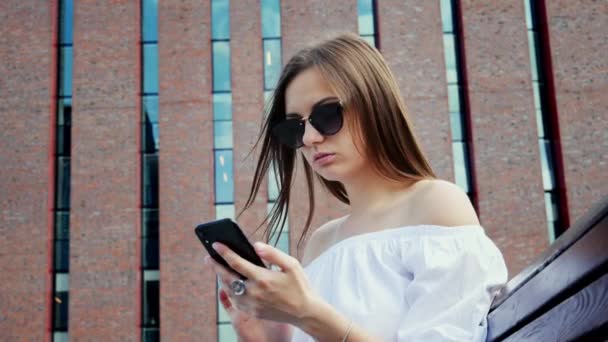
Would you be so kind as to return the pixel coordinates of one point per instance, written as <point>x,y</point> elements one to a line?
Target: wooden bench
<point>563,295</point>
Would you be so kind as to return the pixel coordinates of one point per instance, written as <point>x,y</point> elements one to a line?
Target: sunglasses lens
<point>327,118</point>
<point>290,132</point>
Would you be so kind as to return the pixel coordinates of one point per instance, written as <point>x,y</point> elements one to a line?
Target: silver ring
<point>237,287</point>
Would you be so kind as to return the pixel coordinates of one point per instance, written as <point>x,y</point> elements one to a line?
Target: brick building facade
<point>497,88</point>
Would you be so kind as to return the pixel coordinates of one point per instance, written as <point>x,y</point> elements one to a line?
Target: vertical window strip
<point>368,21</point>
<point>555,220</point>
<point>63,144</point>
<point>271,41</point>
<point>150,295</point>
<point>456,104</point>
<point>222,134</point>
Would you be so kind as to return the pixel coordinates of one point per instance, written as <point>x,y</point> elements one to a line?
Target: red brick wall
<point>578,51</point>
<point>26,95</point>
<point>104,243</point>
<point>187,288</point>
<point>304,23</point>
<point>511,202</point>
<point>412,43</point>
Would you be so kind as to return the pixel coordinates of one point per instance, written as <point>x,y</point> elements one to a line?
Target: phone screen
<point>230,234</point>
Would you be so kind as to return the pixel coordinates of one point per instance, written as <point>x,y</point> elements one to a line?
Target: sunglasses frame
<point>302,122</point>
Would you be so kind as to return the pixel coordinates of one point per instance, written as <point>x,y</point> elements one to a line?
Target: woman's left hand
<point>282,296</point>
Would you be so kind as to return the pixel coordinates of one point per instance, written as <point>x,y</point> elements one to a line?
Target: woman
<point>409,263</point>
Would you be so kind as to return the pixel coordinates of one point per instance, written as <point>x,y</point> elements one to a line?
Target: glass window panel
<point>60,336</point>
<point>456,123</point>
<point>62,282</point>
<point>222,134</point>
<point>533,45</point>
<point>551,206</point>
<point>150,68</point>
<point>61,304</point>
<point>536,94</point>
<point>449,46</point>
<point>222,106</point>
<point>529,24</point>
<point>150,223</point>
<point>453,98</point>
<point>151,298</point>
<point>226,333</point>
<point>271,19</point>
<point>65,71</point>
<point>151,335</point>
<point>540,124</point>
<point>63,140</point>
<point>267,95</point>
<point>62,225</point>
<point>150,179</point>
<point>64,111</point>
<point>220,19</point>
<point>150,253</point>
<point>273,185</point>
<point>272,62</point>
<point>63,183</point>
<point>150,137</point>
<point>150,108</point>
<point>224,184</point>
<point>62,255</point>
<point>370,39</point>
<point>461,171</point>
<point>446,16</point>
<point>546,164</point>
<point>67,21</point>
<point>221,66</point>
<point>224,211</point>
<point>150,20</point>
<point>366,17</point>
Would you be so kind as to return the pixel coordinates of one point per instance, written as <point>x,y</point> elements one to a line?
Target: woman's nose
<point>311,135</point>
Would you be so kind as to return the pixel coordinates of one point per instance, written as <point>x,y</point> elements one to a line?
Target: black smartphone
<point>230,234</point>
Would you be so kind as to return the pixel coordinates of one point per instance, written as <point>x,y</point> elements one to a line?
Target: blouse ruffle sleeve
<point>455,279</point>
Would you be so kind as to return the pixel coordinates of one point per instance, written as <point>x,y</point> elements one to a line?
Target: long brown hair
<point>381,127</point>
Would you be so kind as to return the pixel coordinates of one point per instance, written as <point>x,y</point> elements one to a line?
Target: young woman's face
<point>342,160</point>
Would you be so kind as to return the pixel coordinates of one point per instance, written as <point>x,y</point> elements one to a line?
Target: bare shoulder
<point>443,203</point>
<point>319,241</point>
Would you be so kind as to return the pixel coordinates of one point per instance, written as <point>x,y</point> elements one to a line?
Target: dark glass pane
<point>221,66</point>
<point>222,106</point>
<point>63,183</point>
<point>60,303</point>
<point>366,17</point>
<point>150,108</point>
<point>272,62</point>
<point>150,180</point>
<point>150,137</point>
<point>150,223</point>
<point>224,183</point>
<point>150,20</point>
<point>150,68</point>
<point>456,124</point>
<point>271,19</point>
<point>222,134</point>
<point>66,24</point>
<point>65,71</point>
<point>62,225</point>
<point>150,253</point>
<point>151,335</point>
<point>151,302</point>
<point>64,140</point>
<point>64,111</point>
<point>447,16</point>
<point>62,255</point>
<point>220,19</point>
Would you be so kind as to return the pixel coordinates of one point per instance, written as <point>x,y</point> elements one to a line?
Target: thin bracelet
<point>350,326</point>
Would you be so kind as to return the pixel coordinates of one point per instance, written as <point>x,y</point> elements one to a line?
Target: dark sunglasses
<point>326,118</point>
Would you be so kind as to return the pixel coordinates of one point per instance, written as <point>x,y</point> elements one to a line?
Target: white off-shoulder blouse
<point>412,283</point>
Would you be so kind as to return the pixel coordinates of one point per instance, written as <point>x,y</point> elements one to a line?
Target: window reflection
<point>222,106</point>
<point>150,74</point>
<point>271,19</point>
<point>150,20</point>
<point>220,19</point>
<point>65,71</point>
<point>224,186</point>
<point>221,66</point>
<point>222,134</point>
<point>272,62</point>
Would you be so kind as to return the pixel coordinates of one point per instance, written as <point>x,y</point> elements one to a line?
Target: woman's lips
<point>322,159</point>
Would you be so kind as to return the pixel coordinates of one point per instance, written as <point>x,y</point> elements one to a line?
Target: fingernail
<point>258,245</point>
